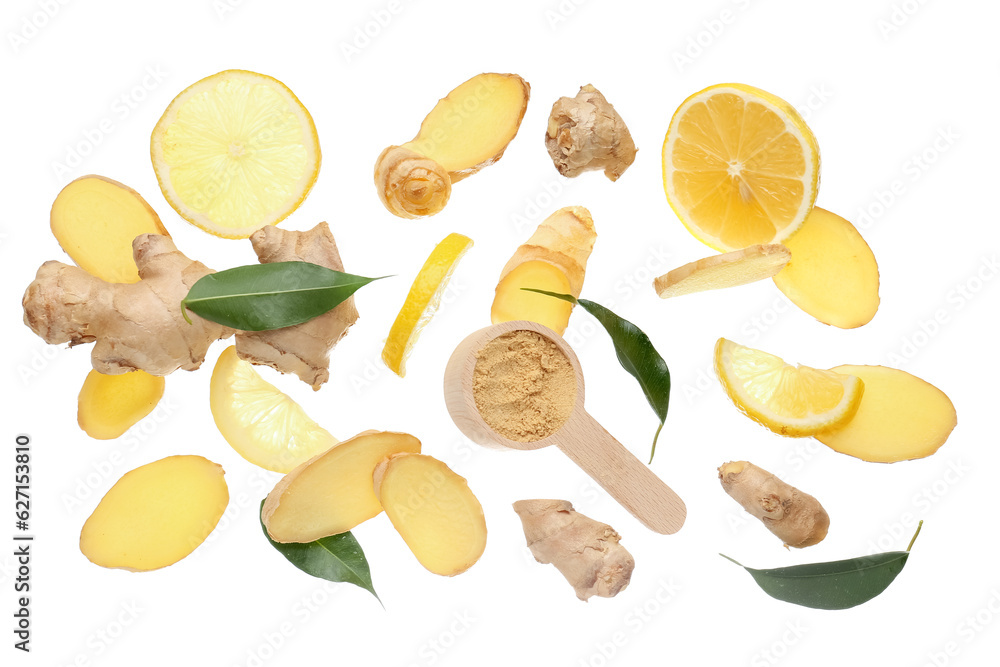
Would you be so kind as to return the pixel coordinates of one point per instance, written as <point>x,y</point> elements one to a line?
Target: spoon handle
<point>621,474</point>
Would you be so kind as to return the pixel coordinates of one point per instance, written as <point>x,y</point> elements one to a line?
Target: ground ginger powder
<point>523,385</point>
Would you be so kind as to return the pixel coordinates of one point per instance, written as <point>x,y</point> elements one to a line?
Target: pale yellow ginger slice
<point>901,417</point>
<point>467,130</point>
<point>833,275</point>
<point>731,269</point>
<point>554,259</point>
<point>109,405</point>
<point>793,516</point>
<point>95,220</point>
<point>586,133</point>
<point>134,326</point>
<point>434,511</point>
<point>332,492</point>
<point>587,552</point>
<point>156,514</point>
<point>303,349</point>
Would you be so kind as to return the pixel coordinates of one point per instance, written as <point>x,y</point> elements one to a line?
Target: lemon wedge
<point>740,167</point>
<point>789,400</point>
<point>422,301</point>
<point>259,421</point>
<point>234,152</point>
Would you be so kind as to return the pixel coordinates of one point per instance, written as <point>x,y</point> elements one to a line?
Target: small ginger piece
<point>134,326</point>
<point>95,220</point>
<point>465,131</point>
<point>332,492</point>
<point>585,551</point>
<point>586,133</point>
<point>795,517</point>
<point>740,267</point>
<point>109,405</point>
<point>833,275</point>
<point>433,510</point>
<point>156,514</point>
<point>901,417</point>
<point>554,259</point>
<point>303,349</point>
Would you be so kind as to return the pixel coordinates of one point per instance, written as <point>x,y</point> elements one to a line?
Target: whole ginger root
<point>135,326</point>
<point>141,326</point>
<point>585,551</point>
<point>303,349</point>
<point>795,517</point>
<point>586,133</point>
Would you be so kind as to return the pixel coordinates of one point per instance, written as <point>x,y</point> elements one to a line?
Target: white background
<point>879,83</point>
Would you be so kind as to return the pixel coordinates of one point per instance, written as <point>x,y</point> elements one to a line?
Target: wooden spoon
<point>581,438</point>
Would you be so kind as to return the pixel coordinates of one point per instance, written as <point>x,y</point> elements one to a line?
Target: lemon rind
<point>434,273</point>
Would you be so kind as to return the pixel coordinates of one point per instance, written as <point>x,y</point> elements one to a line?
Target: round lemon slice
<point>422,301</point>
<point>259,421</point>
<point>234,152</point>
<point>740,167</point>
<point>789,400</point>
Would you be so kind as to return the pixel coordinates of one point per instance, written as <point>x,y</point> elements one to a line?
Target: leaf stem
<point>565,297</point>
<point>652,452</point>
<point>184,312</point>
<point>733,561</point>
<point>919,526</point>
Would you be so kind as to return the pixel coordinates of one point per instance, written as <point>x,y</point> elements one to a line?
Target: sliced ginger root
<point>109,405</point>
<point>901,417</point>
<point>586,133</point>
<point>332,492</point>
<point>134,326</point>
<point>732,269</point>
<point>586,552</point>
<point>554,259</point>
<point>156,514</point>
<point>433,510</point>
<point>832,275</point>
<point>95,220</point>
<point>516,304</point>
<point>303,349</point>
<point>793,516</point>
<point>465,131</point>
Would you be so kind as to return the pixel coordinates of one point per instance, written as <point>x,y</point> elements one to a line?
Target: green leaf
<point>635,353</point>
<point>336,558</point>
<point>840,584</point>
<point>259,297</point>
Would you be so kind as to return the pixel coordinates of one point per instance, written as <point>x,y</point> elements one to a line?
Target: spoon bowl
<point>580,437</point>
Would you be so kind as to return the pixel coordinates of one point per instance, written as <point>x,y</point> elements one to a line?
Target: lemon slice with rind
<point>234,152</point>
<point>423,300</point>
<point>740,167</point>
<point>261,422</point>
<point>790,400</point>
